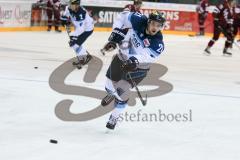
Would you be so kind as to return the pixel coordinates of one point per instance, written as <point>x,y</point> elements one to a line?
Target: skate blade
<point>227,55</point>
<point>207,54</point>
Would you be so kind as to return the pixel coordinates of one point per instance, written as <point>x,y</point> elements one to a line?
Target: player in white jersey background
<point>83,28</point>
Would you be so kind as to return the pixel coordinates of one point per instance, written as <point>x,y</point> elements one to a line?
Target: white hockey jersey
<point>80,19</point>
<point>145,48</point>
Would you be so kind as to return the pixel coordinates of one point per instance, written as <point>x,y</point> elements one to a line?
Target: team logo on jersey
<point>146,42</point>
<point>135,41</point>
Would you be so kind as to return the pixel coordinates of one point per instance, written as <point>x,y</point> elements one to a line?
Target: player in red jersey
<point>53,9</point>
<point>223,23</point>
<point>202,15</point>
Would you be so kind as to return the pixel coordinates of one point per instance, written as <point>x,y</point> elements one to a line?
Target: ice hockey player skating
<point>140,43</point>
<point>53,10</point>
<point>54,6</point>
<point>83,25</point>
<point>202,15</point>
<point>223,23</point>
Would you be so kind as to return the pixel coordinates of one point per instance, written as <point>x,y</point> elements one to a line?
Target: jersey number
<point>160,49</point>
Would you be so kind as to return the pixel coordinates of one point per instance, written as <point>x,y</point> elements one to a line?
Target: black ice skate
<point>82,61</point>
<point>207,51</point>
<point>111,122</point>
<point>226,53</point>
<point>107,100</point>
<point>201,33</point>
<point>86,59</point>
<point>49,28</point>
<point>57,29</point>
<point>77,64</point>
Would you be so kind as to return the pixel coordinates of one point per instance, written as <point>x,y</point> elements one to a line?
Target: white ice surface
<point>208,85</point>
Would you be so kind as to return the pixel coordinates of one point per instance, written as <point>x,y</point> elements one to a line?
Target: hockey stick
<point>67,27</point>
<point>143,101</point>
<point>103,51</point>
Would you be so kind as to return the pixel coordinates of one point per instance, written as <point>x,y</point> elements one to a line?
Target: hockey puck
<point>35,67</point>
<point>53,141</point>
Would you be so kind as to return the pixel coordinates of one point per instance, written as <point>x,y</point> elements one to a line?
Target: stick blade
<point>145,101</point>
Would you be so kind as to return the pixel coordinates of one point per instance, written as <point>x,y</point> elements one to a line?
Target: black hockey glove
<point>73,40</point>
<point>110,46</point>
<point>65,21</point>
<point>130,65</point>
<point>116,36</point>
